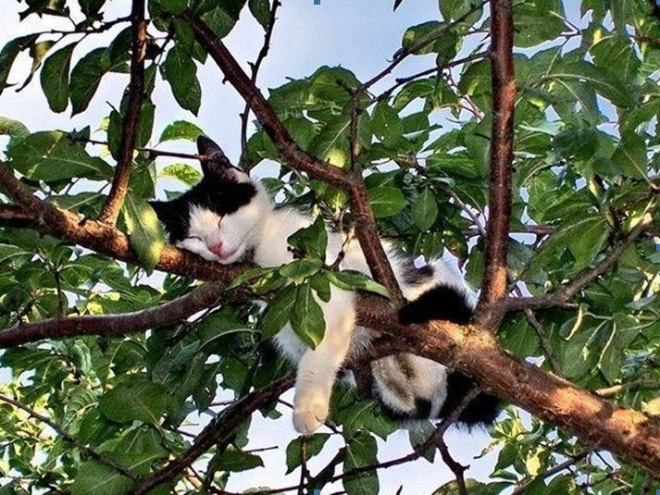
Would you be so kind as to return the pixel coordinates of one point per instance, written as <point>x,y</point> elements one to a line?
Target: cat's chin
<point>233,257</point>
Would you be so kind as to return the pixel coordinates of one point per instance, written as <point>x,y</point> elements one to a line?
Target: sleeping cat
<point>227,215</point>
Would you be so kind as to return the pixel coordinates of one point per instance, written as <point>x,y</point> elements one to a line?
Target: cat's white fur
<point>265,229</point>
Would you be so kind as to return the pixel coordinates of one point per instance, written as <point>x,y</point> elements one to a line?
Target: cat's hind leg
<point>317,370</point>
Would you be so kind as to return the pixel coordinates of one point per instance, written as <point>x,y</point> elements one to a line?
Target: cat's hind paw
<point>309,417</point>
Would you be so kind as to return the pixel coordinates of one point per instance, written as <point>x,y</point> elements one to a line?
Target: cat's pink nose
<point>217,250</point>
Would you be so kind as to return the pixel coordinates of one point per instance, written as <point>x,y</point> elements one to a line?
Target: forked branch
<point>366,231</point>
<point>494,287</point>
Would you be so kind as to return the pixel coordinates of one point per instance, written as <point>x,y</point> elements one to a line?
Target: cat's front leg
<point>318,368</point>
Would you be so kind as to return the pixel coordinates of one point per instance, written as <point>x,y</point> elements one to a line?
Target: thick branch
<point>15,216</point>
<point>104,238</point>
<point>219,431</point>
<point>130,123</point>
<point>366,231</point>
<point>494,287</point>
<point>593,420</point>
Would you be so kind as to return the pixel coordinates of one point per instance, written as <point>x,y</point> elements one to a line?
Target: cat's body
<point>228,215</point>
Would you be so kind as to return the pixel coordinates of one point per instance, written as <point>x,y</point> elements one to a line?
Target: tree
<point>555,140</point>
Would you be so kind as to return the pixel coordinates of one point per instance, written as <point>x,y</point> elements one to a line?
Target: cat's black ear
<point>163,209</point>
<point>216,165</point>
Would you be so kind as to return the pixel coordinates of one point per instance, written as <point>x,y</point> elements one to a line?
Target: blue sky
<point>361,35</point>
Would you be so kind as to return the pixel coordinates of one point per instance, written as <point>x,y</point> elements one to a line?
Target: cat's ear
<point>215,165</point>
<point>163,209</point>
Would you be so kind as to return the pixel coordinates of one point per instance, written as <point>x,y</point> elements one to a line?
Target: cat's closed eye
<point>194,237</point>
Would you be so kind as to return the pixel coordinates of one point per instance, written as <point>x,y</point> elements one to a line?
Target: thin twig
<point>545,341</point>
<point>405,53</point>
<point>522,487</point>
<point>70,438</point>
<point>263,53</point>
<point>219,431</point>
<point>567,292</point>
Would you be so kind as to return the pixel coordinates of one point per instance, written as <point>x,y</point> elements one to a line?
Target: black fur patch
<point>439,303</point>
<point>416,276</point>
<point>449,304</point>
<point>219,196</point>
<point>483,409</point>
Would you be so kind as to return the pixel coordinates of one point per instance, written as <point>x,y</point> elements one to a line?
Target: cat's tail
<point>452,303</point>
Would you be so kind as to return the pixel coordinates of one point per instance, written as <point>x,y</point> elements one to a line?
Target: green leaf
<point>38,52</point>
<point>51,156</point>
<point>314,446</point>
<point>100,479</point>
<point>221,19</point>
<point>55,78</point>
<point>307,317</point>
<point>312,240</point>
<point>601,80</point>
<point>181,130</point>
<point>425,210</point>
<point>350,280</point>
<point>331,143</point>
<point>142,401</point>
<point>299,270</point>
<point>146,234</point>
<point>360,452</point>
<point>386,124</point>
<point>386,201</point>
<point>261,11</point>
<point>180,71</point>
<point>235,460</point>
<point>13,128</point>
<point>453,9</point>
<point>85,79</point>
<point>631,156</point>
<point>175,7</point>
<point>248,275</point>
<point>9,54</point>
<point>431,37</point>
<point>279,311</point>
<point>183,172</point>
<point>537,21</point>
<point>587,239</point>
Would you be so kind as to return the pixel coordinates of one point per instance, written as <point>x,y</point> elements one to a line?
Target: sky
<point>360,35</point>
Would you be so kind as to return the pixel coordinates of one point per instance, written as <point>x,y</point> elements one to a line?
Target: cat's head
<point>219,218</point>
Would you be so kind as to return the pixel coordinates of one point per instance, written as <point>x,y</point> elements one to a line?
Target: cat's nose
<point>217,249</point>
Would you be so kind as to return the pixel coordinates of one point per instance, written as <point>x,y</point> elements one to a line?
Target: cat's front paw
<point>308,416</point>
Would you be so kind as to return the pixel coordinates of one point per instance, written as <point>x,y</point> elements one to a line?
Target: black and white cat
<point>227,215</point>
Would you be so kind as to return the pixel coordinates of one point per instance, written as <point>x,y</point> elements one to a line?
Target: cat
<point>227,217</point>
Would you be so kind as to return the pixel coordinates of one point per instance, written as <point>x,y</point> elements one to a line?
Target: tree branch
<point>219,431</point>
<point>70,438</point>
<point>120,181</point>
<point>366,231</point>
<point>105,239</point>
<point>471,350</point>
<point>113,325</point>
<point>15,216</point>
<point>475,352</point>
<point>567,292</point>
<point>494,288</point>
<point>522,487</point>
